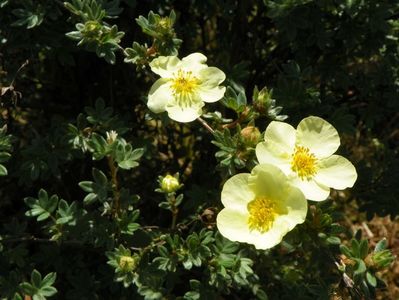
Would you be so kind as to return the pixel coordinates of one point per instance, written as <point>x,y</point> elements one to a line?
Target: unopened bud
<point>127,263</point>
<point>92,29</point>
<point>262,100</point>
<point>250,135</point>
<point>111,136</point>
<point>165,23</point>
<point>170,184</point>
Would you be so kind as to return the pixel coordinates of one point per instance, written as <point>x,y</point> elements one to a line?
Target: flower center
<point>304,163</point>
<point>184,83</point>
<point>262,212</point>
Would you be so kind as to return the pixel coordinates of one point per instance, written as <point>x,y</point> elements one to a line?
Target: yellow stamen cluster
<point>262,212</point>
<point>127,263</point>
<point>304,163</point>
<point>184,83</point>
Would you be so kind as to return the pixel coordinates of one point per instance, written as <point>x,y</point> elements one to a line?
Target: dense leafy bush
<point>90,207</point>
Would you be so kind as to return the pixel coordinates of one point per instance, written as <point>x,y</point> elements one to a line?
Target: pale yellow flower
<point>261,207</point>
<point>306,156</point>
<point>184,86</point>
<point>170,184</point>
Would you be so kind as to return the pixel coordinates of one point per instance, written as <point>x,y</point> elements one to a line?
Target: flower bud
<point>262,100</point>
<point>170,184</point>
<point>127,263</point>
<point>92,29</point>
<point>111,136</point>
<point>250,135</point>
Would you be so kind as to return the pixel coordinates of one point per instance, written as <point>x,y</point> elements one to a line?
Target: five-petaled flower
<point>306,156</point>
<point>184,86</point>
<point>261,207</point>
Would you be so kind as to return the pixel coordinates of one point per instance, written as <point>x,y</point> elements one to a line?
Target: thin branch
<point>115,187</point>
<point>206,125</point>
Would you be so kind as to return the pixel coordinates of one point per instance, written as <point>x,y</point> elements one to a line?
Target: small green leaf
<point>346,251</point>
<point>381,245</point>
<point>87,186</point>
<point>363,249</point>
<point>333,240</point>
<point>360,266</point>
<point>36,278</point>
<point>28,289</point>
<point>371,279</point>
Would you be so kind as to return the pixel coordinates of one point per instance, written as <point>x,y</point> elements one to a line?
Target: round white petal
<point>212,94</point>
<point>211,77</point>
<point>319,136</point>
<point>165,66</point>
<point>271,153</point>
<point>194,63</point>
<point>336,172</point>
<point>283,135</point>
<point>278,146</point>
<point>268,181</point>
<point>296,205</point>
<point>209,89</point>
<point>270,238</point>
<point>236,193</point>
<point>196,57</point>
<point>233,225</point>
<point>311,189</point>
<point>184,114</point>
<point>159,96</point>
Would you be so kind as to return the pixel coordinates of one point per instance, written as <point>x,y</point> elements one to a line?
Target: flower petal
<point>233,225</point>
<point>194,62</point>
<point>270,238</point>
<point>236,193</point>
<point>196,57</point>
<point>210,78</point>
<point>336,172</point>
<point>283,135</point>
<point>159,96</point>
<point>278,146</point>
<point>319,136</point>
<point>185,113</point>
<point>268,181</point>
<point>311,189</point>
<point>165,66</point>
<point>270,153</point>
<point>212,94</point>
<point>296,205</point>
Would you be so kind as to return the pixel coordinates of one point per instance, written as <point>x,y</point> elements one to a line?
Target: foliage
<point>84,211</point>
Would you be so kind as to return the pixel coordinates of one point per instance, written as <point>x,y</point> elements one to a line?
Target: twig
<point>115,188</point>
<point>206,125</point>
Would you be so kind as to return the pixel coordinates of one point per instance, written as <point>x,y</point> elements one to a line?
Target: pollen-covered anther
<point>304,163</point>
<point>262,212</point>
<point>184,83</point>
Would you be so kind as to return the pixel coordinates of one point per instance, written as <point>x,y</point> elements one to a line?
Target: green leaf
<point>99,177</point>
<point>28,289</point>
<point>363,249</point>
<point>371,279</point>
<point>36,278</point>
<point>87,186</point>
<point>48,291</point>
<point>355,248</point>
<point>381,245</point>
<point>3,170</point>
<point>346,251</point>
<point>333,240</point>
<point>90,198</point>
<point>360,266</point>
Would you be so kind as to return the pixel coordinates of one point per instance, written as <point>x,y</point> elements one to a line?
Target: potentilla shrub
<point>139,158</point>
